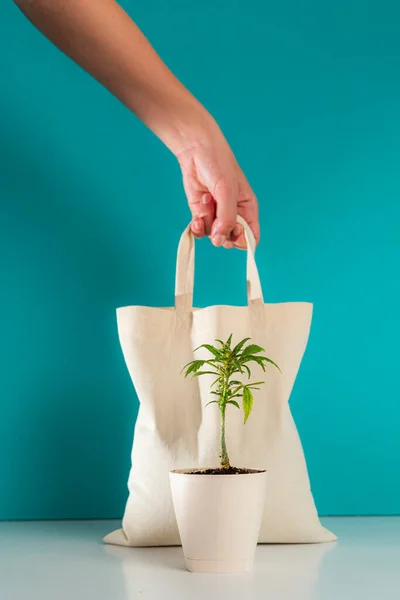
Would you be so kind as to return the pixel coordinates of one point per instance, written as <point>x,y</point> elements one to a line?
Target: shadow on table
<point>281,572</point>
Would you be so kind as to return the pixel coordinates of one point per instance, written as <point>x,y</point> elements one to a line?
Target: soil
<point>230,471</point>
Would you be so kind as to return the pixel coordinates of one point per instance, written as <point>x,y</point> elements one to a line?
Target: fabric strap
<point>184,281</point>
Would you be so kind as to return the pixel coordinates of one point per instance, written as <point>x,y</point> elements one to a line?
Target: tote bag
<point>174,428</point>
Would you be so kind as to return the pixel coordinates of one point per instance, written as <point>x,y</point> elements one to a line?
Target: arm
<point>101,38</point>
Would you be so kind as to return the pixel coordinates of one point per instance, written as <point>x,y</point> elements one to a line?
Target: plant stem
<point>225,464</point>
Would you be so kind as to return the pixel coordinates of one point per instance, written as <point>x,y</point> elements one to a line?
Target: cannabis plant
<point>227,363</point>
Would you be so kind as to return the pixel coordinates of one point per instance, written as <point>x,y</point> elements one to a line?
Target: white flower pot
<point>219,519</point>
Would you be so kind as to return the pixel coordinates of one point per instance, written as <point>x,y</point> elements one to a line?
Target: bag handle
<point>184,281</point>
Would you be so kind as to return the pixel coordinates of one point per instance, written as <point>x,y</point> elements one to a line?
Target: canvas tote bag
<point>174,428</point>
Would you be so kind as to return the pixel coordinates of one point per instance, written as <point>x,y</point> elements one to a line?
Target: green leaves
<point>256,359</point>
<point>224,364</point>
<point>204,373</point>
<point>234,403</point>
<point>247,370</point>
<point>239,346</point>
<point>252,386</point>
<point>217,353</point>
<point>271,362</point>
<point>212,402</point>
<point>260,360</point>
<point>193,367</point>
<point>252,349</point>
<point>247,402</point>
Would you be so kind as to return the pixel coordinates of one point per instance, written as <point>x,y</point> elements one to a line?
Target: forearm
<point>101,38</point>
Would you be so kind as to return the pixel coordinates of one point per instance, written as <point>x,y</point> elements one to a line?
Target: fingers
<point>198,228</point>
<point>207,212</point>
<point>203,214</point>
<point>216,201</point>
<point>207,220</point>
<point>238,237</point>
<point>226,198</point>
<point>226,231</point>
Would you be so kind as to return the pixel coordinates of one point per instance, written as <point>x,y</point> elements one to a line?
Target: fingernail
<point>206,199</point>
<point>196,224</point>
<point>237,230</point>
<point>219,240</point>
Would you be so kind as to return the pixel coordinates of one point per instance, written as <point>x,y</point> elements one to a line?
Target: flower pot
<point>219,518</point>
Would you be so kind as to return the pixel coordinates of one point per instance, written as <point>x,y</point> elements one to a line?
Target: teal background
<point>92,206</point>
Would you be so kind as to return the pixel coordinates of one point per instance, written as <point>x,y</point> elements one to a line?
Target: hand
<point>217,191</point>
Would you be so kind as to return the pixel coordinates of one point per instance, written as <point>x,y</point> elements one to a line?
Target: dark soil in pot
<point>230,471</point>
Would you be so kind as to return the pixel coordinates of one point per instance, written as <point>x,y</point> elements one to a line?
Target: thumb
<point>226,198</point>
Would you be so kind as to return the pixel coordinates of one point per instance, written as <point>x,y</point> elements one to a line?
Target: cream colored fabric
<point>175,430</point>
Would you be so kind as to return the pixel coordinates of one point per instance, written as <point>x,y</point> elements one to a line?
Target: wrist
<point>185,125</point>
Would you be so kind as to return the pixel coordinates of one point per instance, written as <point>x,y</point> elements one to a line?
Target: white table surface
<point>67,561</point>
